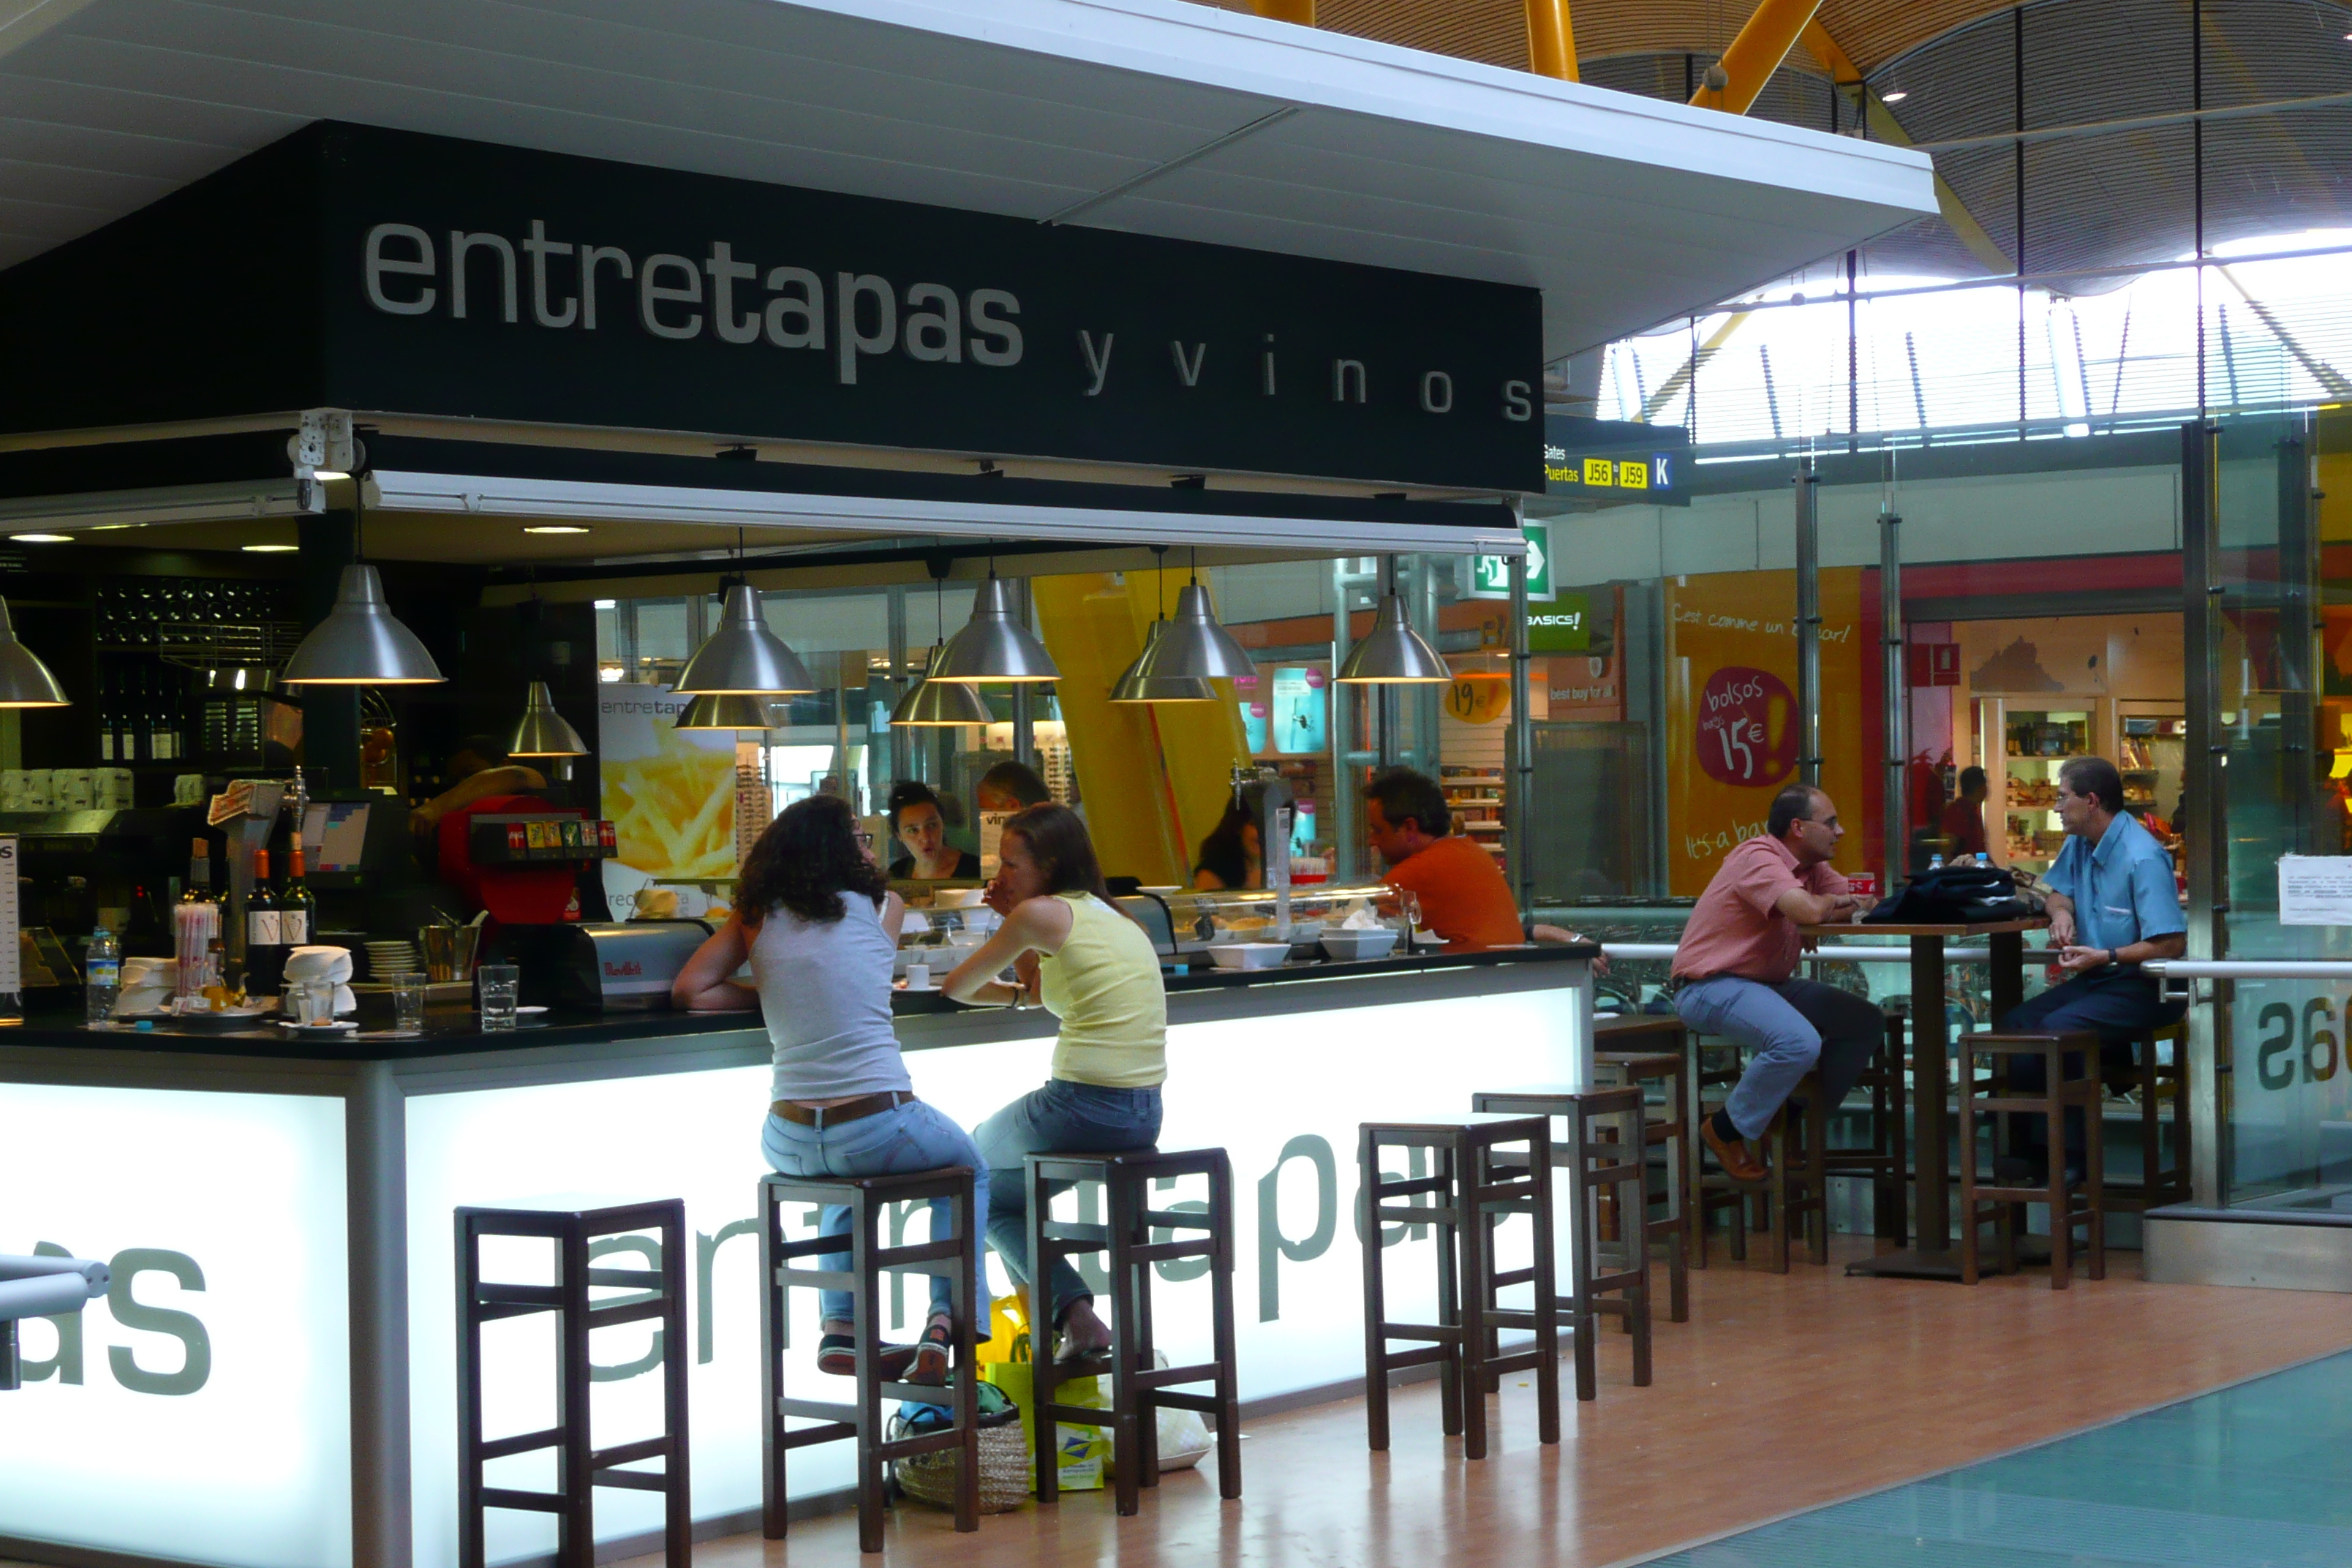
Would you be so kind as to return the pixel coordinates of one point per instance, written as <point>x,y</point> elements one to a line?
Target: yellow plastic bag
<point>1007,1360</point>
<point>1085,1450</point>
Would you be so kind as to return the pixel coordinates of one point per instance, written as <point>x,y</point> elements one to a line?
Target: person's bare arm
<point>1034,926</point>
<point>707,983</point>
<point>894,916</point>
<point>2061,910</point>
<point>2079,959</point>
<point>1816,909</point>
<point>488,782</point>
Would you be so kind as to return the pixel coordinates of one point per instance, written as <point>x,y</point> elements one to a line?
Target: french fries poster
<point>670,793</point>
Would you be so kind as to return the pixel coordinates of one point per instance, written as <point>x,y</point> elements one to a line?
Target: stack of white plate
<point>391,957</point>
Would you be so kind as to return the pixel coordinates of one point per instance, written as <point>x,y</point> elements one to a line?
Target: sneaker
<point>836,1355</point>
<point>931,1354</point>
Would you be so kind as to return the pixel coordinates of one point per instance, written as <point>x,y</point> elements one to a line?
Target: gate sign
<point>1490,575</point>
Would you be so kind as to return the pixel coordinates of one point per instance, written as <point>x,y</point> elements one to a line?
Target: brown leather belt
<point>822,1116</point>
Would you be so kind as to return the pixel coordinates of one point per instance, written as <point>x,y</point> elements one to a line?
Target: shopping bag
<point>1183,1436</point>
<point>1085,1450</point>
<point>1004,1469</point>
<point>1008,1333</point>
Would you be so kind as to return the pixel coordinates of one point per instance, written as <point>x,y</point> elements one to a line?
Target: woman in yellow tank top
<point>1094,969</point>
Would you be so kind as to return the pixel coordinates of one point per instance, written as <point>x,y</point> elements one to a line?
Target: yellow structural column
<point>1154,777</point>
<point>1552,40</point>
<point>1771,32</point>
<point>1299,11</point>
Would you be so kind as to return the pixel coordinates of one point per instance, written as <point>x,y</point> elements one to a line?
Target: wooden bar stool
<point>659,1295</point>
<point>1675,1225</point>
<point>2071,1202</point>
<point>1608,1275</point>
<point>866,1198</point>
<point>1468,1190</point>
<point>1796,1185</point>
<point>1139,1238</point>
<point>1887,1158</point>
<point>2151,1074</point>
<point>1711,1062</point>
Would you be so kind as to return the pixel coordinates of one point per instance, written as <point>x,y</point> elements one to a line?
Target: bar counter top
<point>452,1032</point>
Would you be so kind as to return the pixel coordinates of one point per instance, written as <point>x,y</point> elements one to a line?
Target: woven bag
<point>1003,1456</point>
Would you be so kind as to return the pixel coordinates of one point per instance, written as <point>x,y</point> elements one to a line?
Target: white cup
<point>919,977</point>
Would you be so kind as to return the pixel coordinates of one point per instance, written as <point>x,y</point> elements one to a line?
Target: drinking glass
<point>499,985</point>
<point>1409,910</point>
<point>408,1003</point>
<point>314,1003</point>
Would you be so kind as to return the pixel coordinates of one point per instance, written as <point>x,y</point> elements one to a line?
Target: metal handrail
<point>2247,969</point>
<point>1842,951</point>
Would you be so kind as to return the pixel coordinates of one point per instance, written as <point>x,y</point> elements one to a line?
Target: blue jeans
<point>2117,1003</point>
<point>1061,1117</point>
<point>914,1137</point>
<point>1795,1027</point>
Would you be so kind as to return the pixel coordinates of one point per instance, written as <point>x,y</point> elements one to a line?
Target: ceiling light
<point>1137,685</point>
<point>608,604</point>
<point>361,642</point>
<point>554,528</point>
<point>1898,96</point>
<point>329,474</point>
<point>992,646</point>
<point>942,702</point>
<point>269,549</point>
<point>25,680</point>
<point>42,538</point>
<point>1393,653</point>
<point>743,656</point>
<point>1195,646</point>
<point>731,712</point>
<point>541,731</point>
<point>109,527</point>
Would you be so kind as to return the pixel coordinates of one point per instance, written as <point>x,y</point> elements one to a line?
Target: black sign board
<point>1616,462</point>
<point>386,271</point>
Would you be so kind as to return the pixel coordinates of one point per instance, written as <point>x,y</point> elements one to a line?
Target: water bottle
<point>101,972</point>
<point>1935,862</point>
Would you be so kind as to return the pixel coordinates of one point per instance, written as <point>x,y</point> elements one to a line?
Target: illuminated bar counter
<point>272,1380</point>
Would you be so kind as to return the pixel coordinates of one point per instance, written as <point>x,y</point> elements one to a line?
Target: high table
<point>1934,1257</point>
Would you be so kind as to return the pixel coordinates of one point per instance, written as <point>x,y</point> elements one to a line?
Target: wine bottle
<point>296,905</point>
<point>265,944</point>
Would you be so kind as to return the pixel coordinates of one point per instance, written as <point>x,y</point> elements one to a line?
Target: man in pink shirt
<point>1736,967</point>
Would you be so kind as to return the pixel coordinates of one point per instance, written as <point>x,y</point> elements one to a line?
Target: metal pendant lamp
<point>541,731</point>
<point>361,642</point>
<point>1195,646</point>
<point>25,680</point>
<point>1393,653</point>
<point>993,645</point>
<point>1138,685</point>
<point>939,703</point>
<point>733,711</point>
<point>744,657</point>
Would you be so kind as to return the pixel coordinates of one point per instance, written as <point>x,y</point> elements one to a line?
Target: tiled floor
<point>2251,1477</point>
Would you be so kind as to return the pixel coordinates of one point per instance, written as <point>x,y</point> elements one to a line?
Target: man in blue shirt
<point>2113,906</point>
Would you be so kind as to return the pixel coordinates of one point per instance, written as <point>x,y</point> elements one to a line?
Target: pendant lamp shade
<point>541,731</point>
<point>941,702</point>
<point>729,712</point>
<point>993,645</point>
<point>361,642</point>
<point>25,680</point>
<point>1393,653</point>
<point>744,657</point>
<point>1136,686</point>
<point>1194,647</point>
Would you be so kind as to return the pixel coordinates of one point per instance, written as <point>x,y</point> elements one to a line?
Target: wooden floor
<point>1780,1394</point>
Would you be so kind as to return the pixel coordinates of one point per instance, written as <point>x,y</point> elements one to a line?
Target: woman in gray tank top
<point>819,927</point>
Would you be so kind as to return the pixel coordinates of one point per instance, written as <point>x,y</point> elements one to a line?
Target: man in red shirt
<point>1737,965</point>
<point>1963,823</point>
<point>1463,897</point>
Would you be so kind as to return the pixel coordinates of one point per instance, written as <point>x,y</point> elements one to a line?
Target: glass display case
<point>1198,918</point>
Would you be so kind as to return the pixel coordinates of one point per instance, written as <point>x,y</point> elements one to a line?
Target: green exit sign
<point>1490,575</point>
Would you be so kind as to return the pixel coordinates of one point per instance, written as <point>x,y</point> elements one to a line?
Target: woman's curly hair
<point>807,861</point>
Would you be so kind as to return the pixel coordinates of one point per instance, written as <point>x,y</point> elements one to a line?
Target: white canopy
<point>1152,116</point>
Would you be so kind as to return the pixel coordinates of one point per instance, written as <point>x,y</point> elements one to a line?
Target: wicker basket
<point>1003,1458</point>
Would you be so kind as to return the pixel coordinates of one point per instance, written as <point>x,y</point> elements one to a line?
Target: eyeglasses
<point>865,838</point>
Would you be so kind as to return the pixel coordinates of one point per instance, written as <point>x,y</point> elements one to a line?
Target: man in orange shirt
<point>1463,897</point>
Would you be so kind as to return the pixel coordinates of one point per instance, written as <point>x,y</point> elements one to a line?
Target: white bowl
<point>957,898</point>
<point>1358,944</point>
<point>1248,954</point>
